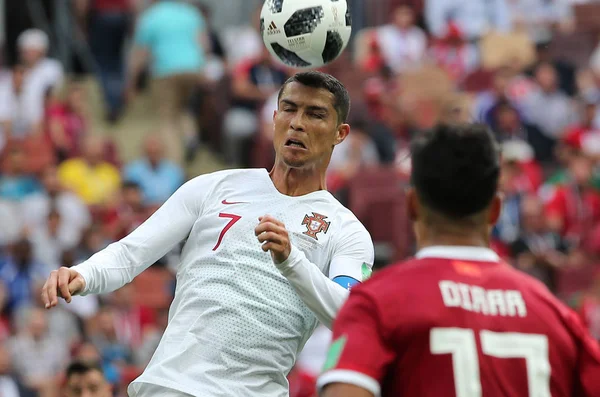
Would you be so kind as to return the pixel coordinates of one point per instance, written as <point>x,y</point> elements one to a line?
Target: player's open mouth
<point>294,143</point>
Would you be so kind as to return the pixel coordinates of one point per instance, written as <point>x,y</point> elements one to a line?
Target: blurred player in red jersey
<point>456,320</point>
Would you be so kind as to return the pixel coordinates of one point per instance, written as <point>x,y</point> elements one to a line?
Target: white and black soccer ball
<point>305,33</point>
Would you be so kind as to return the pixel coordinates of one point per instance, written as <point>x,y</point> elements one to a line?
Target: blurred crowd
<point>530,69</point>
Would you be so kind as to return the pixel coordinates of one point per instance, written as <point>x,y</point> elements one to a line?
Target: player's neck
<point>297,182</point>
<point>430,237</point>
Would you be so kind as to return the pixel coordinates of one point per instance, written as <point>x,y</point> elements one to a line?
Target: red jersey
<point>456,321</point>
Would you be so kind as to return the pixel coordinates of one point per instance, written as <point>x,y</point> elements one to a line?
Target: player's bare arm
<point>345,390</point>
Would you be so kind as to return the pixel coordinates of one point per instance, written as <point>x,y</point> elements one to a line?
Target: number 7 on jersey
<point>233,219</point>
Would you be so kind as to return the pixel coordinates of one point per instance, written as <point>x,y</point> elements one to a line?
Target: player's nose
<point>297,122</point>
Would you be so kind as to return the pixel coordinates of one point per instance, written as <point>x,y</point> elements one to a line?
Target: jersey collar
<point>465,253</point>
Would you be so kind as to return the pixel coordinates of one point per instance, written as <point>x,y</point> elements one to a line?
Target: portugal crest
<point>315,224</point>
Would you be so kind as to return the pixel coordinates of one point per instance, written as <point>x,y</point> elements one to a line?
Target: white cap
<point>33,39</point>
<point>517,150</point>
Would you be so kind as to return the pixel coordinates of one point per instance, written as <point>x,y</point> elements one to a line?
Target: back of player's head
<point>325,81</point>
<point>455,169</point>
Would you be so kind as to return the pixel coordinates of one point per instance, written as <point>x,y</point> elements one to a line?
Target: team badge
<point>315,224</point>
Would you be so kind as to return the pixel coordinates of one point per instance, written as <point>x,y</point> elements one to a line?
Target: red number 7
<point>234,219</point>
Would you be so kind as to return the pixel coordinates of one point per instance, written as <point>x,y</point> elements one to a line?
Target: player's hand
<point>63,283</point>
<point>274,238</point>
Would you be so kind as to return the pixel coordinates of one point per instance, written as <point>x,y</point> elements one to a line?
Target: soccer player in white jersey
<point>267,256</point>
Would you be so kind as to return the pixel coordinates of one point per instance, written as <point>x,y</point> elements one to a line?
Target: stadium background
<point>75,160</point>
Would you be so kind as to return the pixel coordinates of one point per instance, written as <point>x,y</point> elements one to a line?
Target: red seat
<point>377,198</point>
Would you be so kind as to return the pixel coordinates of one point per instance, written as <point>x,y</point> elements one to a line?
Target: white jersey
<point>236,323</point>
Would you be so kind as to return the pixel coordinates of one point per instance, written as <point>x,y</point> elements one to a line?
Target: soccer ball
<point>305,33</point>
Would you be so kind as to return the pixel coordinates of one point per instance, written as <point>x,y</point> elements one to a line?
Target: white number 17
<point>460,342</point>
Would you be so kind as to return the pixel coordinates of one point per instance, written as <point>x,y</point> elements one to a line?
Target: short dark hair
<point>130,185</point>
<point>455,168</point>
<point>82,368</point>
<point>326,81</point>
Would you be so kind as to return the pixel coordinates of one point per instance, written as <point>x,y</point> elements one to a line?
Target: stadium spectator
<point>92,241</point>
<point>87,353</point>
<point>172,36</point>
<point>508,125</point>
<point>21,275</point>
<point>454,54</point>
<point>489,98</point>
<point>42,74</point>
<point>538,251</point>
<point>381,93</point>
<point>11,221</point>
<point>132,320</point>
<point>67,121</point>
<point>472,18</point>
<point>51,240</point>
<point>86,380</point>
<point>540,18</point>
<point>157,176</point>
<point>36,207</point>
<point>546,107</point>
<point>402,43</point>
<point>105,338</point>
<point>15,182</point>
<point>38,358</point>
<point>15,120</point>
<point>580,134</point>
<point>243,42</point>
<point>254,81</point>
<point>128,213</point>
<point>574,207</point>
<point>357,152</point>
<point>92,178</point>
<point>107,24</point>
<point>10,383</point>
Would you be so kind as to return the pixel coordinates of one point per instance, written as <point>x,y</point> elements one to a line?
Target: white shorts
<point>150,390</point>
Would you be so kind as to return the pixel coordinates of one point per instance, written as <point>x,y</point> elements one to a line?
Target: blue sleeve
<point>179,177</point>
<point>143,32</point>
<point>129,173</point>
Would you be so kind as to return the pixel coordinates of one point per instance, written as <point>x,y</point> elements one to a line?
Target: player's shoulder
<point>398,277</point>
<point>533,289</point>
<point>227,177</point>
<point>351,229</point>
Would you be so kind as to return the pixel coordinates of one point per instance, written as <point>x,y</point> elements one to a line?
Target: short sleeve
<point>199,24</point>
<point>359,354</point>
<point>143,32</point>
<point>352,261</point>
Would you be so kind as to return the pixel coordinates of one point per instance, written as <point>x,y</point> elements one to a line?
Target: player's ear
<point>274,114</point>
<point>342,132</point>
<point>413,203</point>
<point>495,209</point>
